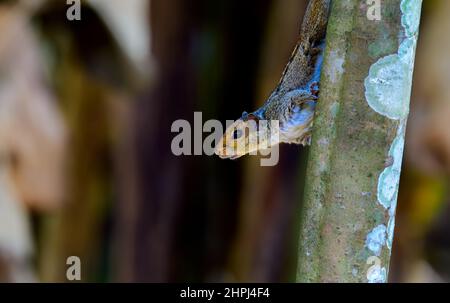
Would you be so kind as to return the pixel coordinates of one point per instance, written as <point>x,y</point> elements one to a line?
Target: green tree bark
<point>348,219</point>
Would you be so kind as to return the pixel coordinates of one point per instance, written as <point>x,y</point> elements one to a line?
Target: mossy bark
<point>351,148</point>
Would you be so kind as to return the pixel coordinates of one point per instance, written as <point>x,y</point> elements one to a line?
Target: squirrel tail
<point>315,20</point>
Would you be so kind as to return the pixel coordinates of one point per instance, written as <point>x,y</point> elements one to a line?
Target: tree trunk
<point>354,165</point>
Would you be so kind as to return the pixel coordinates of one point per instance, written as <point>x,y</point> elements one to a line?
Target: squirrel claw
<point>314,88</point>
<point>306,140</point>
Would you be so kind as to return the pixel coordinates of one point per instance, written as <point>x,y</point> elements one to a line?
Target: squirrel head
<point>247,135</point>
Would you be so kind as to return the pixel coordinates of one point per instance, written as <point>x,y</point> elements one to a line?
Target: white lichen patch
<point>376,239</point>
<point>389,179</point>
<point>324,142</point>
<point>406,52</point>
<point>334,109</point>
<point>411,16</point>
<point>378,275</point>
<point>390,232</point>
<point>388,87</point>
<point>336,66</point>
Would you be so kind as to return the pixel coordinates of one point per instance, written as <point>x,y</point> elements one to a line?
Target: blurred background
<point>85,162</point>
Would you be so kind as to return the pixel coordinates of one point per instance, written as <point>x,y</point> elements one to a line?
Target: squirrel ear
<point>314,89</point>
<point>246,117</point>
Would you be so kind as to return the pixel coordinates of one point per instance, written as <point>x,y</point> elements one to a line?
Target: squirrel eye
<point>237,134</point>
